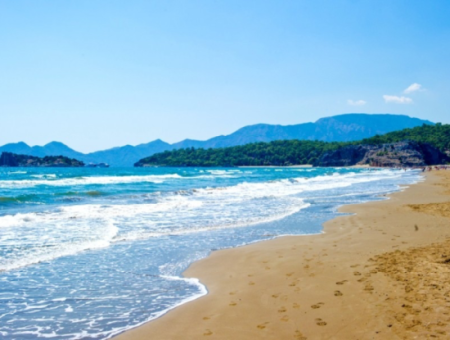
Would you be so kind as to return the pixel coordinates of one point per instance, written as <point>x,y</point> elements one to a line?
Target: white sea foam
<point>59,294</point>
<point>192,281</point>
<point>52,179</point>
<point>44,176</point>
<point>102,180</point>
<point>43,236</point>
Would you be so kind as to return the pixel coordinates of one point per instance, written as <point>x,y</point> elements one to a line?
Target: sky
<point>105,73</point>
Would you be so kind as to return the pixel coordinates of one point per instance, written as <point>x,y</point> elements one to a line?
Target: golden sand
<point>442,209</point>
<point>382,273</point>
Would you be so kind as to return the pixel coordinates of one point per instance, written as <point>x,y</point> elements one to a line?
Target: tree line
<point>289,152</point>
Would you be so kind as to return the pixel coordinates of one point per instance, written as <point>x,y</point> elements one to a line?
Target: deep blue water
<point>89,253</point>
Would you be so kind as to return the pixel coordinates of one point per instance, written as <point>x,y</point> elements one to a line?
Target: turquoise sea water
<point>89,253</point>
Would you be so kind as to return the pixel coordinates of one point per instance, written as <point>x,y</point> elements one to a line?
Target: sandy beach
<point>381,273</point>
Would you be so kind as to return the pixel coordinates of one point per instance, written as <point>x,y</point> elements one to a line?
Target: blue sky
<point>98,74</point>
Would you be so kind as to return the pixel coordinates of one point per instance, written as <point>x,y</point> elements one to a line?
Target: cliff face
<point>9,159</point>
<point>401,154</point>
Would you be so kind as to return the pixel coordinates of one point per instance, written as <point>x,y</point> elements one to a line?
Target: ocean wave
<point>44,176</point>
<point>6,200</point>
<point>53,180</point>
<point>77,181</point>
<point>44,236</point>
<point>41,236</point>
<point>51,248</point>
<point>87,251</point>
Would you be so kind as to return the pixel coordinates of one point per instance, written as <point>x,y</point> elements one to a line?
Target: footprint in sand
<point>262,325</point>
<point>299,336</point>
<point>289,274</point>
<point>232,303</point>
<point>320,322</point>
<point>317,305</point>
<point>232,293</point>
<point>341,282</point>
<point>368,287</point>
<point>282,310</point>
<point>206,318</point>
<point>357,273</point>
<point>295,305</point>
<point>285,318</point>
<point>207,332</point>
<point>251,283</point>
<point>337,293</point>
<point>275,295</point>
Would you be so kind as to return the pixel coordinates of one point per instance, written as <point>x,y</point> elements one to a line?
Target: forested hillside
<point>291,152</point>
<point>9,159</point>
<point>437,135</point>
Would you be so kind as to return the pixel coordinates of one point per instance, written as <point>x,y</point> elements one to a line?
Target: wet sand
<point>383,273</point>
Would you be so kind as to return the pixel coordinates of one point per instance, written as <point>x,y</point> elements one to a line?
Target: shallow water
<point>89,253</point>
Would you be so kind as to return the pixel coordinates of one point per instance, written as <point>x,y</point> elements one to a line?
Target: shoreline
<point>357,166</point>
<point>309,286</point>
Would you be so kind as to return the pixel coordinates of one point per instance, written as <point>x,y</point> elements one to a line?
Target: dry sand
<point>383,273</point>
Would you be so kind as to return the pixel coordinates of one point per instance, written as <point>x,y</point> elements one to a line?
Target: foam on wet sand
<point>381,273</point>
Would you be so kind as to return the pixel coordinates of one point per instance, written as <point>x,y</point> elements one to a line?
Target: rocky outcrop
<point>8,159</point>
<point>401,154</point>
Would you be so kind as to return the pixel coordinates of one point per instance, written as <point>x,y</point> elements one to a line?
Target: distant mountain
<point>341,128</point>
<point>120,156</point>
<point>127,155</point>
<point>345,127</point>
<point>50,149</point>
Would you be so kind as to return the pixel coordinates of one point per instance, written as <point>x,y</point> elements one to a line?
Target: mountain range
<point>342,128</point>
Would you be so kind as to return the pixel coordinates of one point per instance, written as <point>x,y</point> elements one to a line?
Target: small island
<point>9,159</point>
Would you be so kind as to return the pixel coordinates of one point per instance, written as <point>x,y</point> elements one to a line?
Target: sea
<point>88,253</point>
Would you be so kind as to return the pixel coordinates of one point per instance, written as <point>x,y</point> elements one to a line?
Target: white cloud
<point>397,99</point>
<point>356,102</point>
<point>413,88</point>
